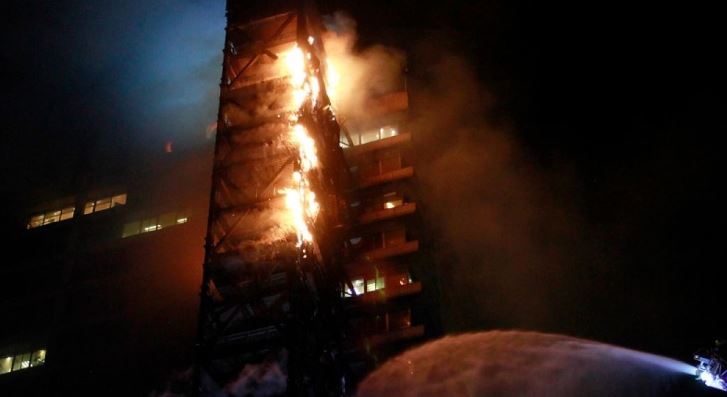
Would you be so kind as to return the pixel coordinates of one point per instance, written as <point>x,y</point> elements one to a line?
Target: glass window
<point>21,361</point>
<point>131,229</point>
<point>6,364</point>
<point>103,204</point>
<point>38,358</point>
<point>51,217</point>
<point>119,199</point>
<point>35,221</point>
<point>149,225</point>
<point>168,219</point>
<point>370,136</point>
<point>67,213</point>
<point>370,285</point>
<point>88,208</point>
<point>358,286</point>
<point>388,132</point>
<point>393,204</point>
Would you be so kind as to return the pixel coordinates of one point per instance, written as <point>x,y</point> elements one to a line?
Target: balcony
<point>387,213</point>
<point>401,173</point>
<point>389,292</point>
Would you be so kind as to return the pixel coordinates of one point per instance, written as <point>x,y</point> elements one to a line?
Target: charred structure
<point>311,235</point>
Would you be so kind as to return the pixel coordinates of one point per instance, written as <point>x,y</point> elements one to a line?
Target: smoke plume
<point>358,73</point>
<point>510,363</point>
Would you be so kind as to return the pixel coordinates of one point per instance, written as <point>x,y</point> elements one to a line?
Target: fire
<point>300,200</point>
<point>306,148</point>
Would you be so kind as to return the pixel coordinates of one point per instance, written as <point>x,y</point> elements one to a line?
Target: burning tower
<point>310,239</point>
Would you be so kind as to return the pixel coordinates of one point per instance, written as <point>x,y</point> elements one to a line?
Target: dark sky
<point>615,110</point>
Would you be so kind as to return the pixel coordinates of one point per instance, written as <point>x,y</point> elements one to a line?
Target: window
<point>104,203</point>
<point>38,358</point>
<point>363,285</point>
<point>360,138</point>
<point>154,223</point>
<point>6,364</point>
<point>22,361</point>
<point>49,217</point>
<point>358,286</point>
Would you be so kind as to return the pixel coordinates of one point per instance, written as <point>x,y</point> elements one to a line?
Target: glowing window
<point>131,229</point>
<point>104,203</point>
<point>6,364</point>
<point>51,217</point>
<point>358,286</point>
<point>38,358</point>
<point>22,361</point>
<point>374,284</point>
<point>370,136</point>
<point>388,132</point>
<point>119,199</point>
<point>154,223</point>
<point>150,225</point>
<point>393,204</point>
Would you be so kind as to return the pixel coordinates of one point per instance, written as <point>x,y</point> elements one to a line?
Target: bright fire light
<point>300,200</point>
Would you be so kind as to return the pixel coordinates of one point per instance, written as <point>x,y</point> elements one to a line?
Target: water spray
<point>712,367</point>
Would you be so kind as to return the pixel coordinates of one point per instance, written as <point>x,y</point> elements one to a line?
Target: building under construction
<point>313,246</point>
<point>313,271</point>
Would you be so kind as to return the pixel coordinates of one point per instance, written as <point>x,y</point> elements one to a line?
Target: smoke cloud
<point>508,230</point>
<point>359,73</point>
<point>511,363</point>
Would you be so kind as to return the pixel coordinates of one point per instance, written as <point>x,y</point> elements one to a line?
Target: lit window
<point>38,358</point>
<point>168,219</point>
<point>358,286</point>
<point>370,136</point>
<point>150,225</point>
<point>374,284</point>
<point>119,199</point>
<point>22,361</point>
<point>50,217</point>
<point>104,203</point>
<point>67,213</point>
<point>131,229</point>
<point>388,132</point>
<point>6,364</point>
<point>154,223</point>
<point>393,204</point>
<point>35,221</point>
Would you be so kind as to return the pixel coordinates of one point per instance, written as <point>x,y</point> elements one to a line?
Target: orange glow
<point>332,79</point>
<point>306,148</point>
<point>300,201</point>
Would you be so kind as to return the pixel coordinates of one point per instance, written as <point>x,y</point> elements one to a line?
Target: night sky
<point>608,117</point>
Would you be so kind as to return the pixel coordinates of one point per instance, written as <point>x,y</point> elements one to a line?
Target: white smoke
<point>259,380</point>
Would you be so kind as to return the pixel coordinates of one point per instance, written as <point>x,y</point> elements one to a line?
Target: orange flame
<point>300,201</point>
